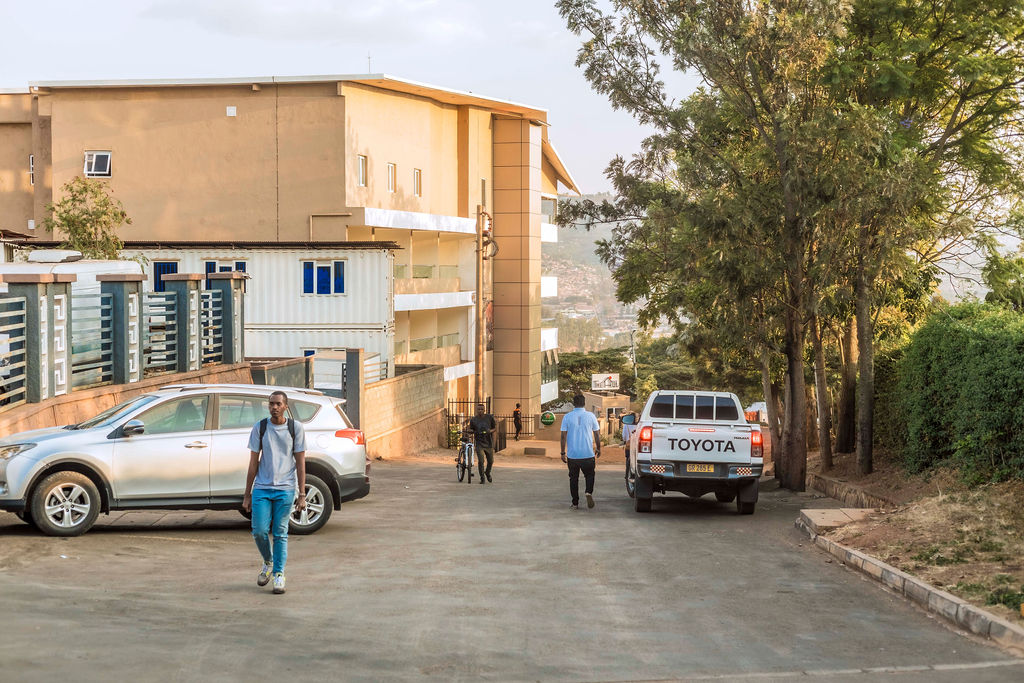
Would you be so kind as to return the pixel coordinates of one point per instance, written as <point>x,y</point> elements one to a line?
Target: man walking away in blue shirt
<point>581,447</point>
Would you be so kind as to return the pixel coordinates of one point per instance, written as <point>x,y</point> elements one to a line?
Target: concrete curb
<point>847,493</point>
<point>946,605</point>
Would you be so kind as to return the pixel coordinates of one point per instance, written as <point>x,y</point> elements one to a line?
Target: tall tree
<point>87,218</point>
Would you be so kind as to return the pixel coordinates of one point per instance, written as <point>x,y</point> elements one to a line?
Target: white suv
<point>183,447</point>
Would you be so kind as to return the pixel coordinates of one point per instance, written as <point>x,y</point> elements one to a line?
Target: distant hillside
<point>577,244</point>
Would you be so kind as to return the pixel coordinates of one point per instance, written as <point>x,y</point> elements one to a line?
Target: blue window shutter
<point>323,279</point>
<point>224,269</point>
<point>240,266</point>
<point>339,277</point>
<point>161,268</point>
<point>307,277</point>
<point>211,267</point>
<point>309,352</point>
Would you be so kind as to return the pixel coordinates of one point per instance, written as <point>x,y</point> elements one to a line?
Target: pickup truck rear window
<point>705,408</point>
<point>663,406</point>
<point>725,409</point>
<point>684,406</point>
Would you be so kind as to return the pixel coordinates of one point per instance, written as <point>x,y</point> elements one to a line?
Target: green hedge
<point>959,391</point>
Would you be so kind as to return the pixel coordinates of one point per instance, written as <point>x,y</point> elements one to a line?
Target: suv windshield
<point>112,414</point>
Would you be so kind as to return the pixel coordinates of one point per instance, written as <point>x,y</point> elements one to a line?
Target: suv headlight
<point>8,452</point>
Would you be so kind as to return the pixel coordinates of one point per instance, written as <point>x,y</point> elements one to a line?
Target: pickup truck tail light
<point>355,435</point>
<point>645,439</point>
<point>756,444</point>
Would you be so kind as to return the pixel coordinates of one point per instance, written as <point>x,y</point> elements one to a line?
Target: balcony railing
<point>422,344</point>
<point>448,340</point>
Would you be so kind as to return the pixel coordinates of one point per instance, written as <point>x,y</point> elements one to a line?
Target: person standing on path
<point>581,447</point>
<point>628,427</point>
<point>517,420</point>
<point>276,476</point>
<point>483,427</point>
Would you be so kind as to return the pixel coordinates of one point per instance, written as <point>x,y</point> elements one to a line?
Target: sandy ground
<point>427,578</point>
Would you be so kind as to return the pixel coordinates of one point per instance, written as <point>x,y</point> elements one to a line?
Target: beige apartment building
<point>225,165</point>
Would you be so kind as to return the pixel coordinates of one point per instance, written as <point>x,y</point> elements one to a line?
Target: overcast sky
<point>517,50</point>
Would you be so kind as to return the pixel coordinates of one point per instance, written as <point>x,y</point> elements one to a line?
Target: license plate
<point>699,467</point>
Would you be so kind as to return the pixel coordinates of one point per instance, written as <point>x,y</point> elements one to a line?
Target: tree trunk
<point>846,419</point>
<point>811,428</point>
<point>794,441</point>
<point>771,407</point>
<point>865,367</point>
<point>821,388</point>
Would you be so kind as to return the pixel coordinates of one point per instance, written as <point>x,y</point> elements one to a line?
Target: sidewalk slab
<point>954,610</point>
<point>826,519</point>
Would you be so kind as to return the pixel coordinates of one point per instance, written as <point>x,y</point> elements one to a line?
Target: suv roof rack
<point>291,390</point>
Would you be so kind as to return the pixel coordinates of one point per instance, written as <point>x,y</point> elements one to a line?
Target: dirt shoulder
<point>966,540</point>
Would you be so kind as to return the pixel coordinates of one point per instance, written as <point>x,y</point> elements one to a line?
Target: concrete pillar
<point>190,344</point>
<point>47,331</point>
<point>354,386</point>
<point>232,289</point>
<point>125,291</point>
<point>516,270</point>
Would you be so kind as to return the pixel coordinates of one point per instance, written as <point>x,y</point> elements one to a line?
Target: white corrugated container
<point>280,319</point>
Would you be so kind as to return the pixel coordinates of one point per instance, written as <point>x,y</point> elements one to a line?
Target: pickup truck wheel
<point>631,484</point>
<point>745,508</point>
<point>725,496</point>
<point>642,504</point>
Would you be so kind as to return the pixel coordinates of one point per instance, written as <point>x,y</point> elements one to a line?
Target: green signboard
<point>547,419</point>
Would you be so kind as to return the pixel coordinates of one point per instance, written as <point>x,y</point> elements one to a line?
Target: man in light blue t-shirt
<point>276,477</point>
<point>581,447</point>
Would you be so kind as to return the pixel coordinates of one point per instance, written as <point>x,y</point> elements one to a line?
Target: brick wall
<point>404,415</point>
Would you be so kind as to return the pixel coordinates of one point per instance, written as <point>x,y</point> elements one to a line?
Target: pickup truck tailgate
<point>701,443</point>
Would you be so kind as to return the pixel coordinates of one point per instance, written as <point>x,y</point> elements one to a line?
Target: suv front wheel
<point>65,504</point>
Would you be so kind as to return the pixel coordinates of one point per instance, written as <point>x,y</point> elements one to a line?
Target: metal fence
<point>211,316</point>
<point>92,345</point>
<point>159,333</point>
<point>374,369</point>
<point>529,429</point>
<point>12,350</point>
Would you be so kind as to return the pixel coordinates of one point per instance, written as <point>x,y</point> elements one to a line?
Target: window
<point>97,165</point>
<point>417,182</point>
<point>705,408</point>
<point>178,415</point>
<point>684,406</point>
<point>363,168</point>
<point>302,411</point>
<point>31,169</point>
<point>240,412</point>
<point>161,268</point>
<point>323,277</point>
<point>222,267</point>
<point>392,171</point>
<point>662,406</point>
<point>725,409</point>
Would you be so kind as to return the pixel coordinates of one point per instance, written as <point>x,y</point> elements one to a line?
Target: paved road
<point>428,578</point>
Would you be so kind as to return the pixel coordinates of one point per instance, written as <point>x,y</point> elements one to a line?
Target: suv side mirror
<point>133,427</point>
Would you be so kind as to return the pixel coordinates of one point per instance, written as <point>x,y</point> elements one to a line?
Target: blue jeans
<point>270,511</point>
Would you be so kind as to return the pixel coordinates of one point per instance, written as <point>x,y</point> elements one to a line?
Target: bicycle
<point>464,460</point>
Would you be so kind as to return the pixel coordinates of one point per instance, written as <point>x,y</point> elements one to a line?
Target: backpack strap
<point>291,430</point>
<point>263,432</point>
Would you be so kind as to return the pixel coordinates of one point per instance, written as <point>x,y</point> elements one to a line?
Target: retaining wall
<point>404,415</point>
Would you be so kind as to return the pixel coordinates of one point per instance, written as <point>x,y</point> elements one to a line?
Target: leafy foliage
<point>87,218</point>
<point>960,393</point>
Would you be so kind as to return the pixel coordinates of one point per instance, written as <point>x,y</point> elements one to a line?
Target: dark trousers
<point>519,427</point>
<point>576,465</point>
<point>488,452</point>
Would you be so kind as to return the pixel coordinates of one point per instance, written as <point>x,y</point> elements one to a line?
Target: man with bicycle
<point>483,427</point>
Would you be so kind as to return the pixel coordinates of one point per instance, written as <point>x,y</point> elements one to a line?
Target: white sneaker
<point>279,583</point>
<point>590,500</point>
<point>264,576</point>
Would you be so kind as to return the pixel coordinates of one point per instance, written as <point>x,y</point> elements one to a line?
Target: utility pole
<point>632,353</point>
<point>484,244</point>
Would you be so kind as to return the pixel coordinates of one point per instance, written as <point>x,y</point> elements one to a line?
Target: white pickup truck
<point>695,442</point>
